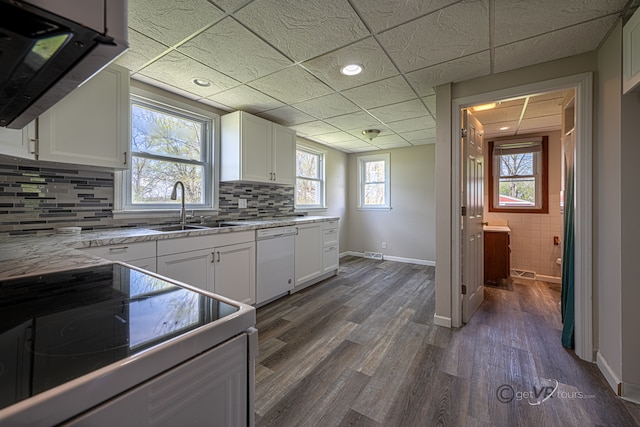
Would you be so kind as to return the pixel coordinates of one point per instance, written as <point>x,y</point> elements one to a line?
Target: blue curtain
<point>568,276</point>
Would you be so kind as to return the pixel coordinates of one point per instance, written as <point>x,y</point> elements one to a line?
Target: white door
<point>472,202</point>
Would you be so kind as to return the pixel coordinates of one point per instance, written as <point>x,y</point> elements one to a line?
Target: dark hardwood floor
<point>361,349</point>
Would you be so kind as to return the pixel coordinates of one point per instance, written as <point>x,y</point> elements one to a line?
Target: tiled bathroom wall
<point>39,197</point>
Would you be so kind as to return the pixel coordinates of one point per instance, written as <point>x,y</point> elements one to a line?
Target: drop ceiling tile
<point>425,141</point>
<point>142,49</point>
<point>383,92</point>
<point>543,108</point>
<point>178,70</point>
<point>511,113</point>
<point>558,44</point>
<point>230,5</point>
<point>419,134</point>
<point>385,139</point>
<point>492,130</point>
<point>453,32</point>
<point>235,51</point>
<point>169,23</point>
<point>327,106</point>
<point>399,111</point>
<point>368,53</point>
<point>246,99</point>
<point>455,70</point>
<point>362,149</point>
<point>514,16</point>
<point>383,14</point>
<point>417,123</point>
<point>430,102</point>
<point>291,85</point>
<point>355,145</point>
<point>334,137</point>
<point>541,124</point>
<point>165,86</point>
<point>360,120</point>
<point>219,106</point>
<point>302,32</point>
<point>399,144</point>
<point>287,116</point>
<point>314,128</point>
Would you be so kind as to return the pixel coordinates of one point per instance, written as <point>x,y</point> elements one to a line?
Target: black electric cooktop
<point>59,326</point>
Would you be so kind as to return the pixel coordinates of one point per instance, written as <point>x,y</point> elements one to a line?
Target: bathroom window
<point>518,170</point>
<point>170,142</point>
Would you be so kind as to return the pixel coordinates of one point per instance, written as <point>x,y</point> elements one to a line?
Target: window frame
<point>321,179</point>
<point>122,179</point>
<point>542,185</point>
<point>362,160</point>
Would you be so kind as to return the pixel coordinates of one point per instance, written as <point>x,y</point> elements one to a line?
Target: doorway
<point>583,86</point>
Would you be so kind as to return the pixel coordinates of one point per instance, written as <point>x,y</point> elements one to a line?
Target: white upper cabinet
<point>631,53</point>
<point>257,150</point>
<point>90,126</point>
<point>19,142</point>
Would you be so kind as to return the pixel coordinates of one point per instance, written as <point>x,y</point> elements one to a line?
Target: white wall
<point>607,198</point>
<point>532,247</point>
<point>409,227</point>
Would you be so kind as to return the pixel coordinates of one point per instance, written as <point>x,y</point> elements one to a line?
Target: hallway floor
<point>361,349</point>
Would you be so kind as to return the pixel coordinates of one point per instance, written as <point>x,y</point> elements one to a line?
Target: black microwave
<point>48,48</point>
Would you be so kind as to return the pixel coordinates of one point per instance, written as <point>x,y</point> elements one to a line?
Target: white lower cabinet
<point>330,251</point>
<point>224,264</point>
<point>141,254</point>
<point>308,253</point>
<point>234,272</point>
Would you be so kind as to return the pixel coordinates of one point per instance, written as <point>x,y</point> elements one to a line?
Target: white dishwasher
<point>274,263</point>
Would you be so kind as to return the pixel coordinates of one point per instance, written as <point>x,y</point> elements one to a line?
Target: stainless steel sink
<point>178,227</point>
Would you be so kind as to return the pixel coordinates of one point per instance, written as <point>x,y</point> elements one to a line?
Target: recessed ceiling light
<point>351,69</point>
<point>504,128</point>
<point>201,82</point>
<point>484,107</point>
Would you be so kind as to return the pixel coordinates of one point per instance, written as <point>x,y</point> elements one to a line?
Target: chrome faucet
<point>174,195</point>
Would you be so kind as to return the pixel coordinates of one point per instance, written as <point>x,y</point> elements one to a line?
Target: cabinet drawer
<point>124,252</point>
<point>330,224</point>
<point>330,237</point>
<point>330,258</point>
<point>193,243</point>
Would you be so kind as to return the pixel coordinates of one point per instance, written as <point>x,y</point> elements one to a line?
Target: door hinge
<point>463,211</point>
<point>463,133</point>
<point>464,289</point>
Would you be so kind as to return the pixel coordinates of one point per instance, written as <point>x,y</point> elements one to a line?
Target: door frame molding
<point>583,84</point>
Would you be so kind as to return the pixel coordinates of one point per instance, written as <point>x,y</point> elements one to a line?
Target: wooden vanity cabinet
<point>496,256</point>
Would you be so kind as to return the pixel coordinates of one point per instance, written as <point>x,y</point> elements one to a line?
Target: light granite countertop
<point>31,255</point>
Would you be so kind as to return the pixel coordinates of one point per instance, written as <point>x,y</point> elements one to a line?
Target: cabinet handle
<point>122,248</point>
<point>125,157</point>
<point>218,256</point>
<point>485,223</point>
<point>274,176</point>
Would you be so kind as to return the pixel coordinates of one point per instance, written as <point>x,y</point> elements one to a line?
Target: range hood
<point>50,47</point>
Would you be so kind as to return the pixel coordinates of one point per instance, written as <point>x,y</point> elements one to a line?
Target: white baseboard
<point>550,279</point>
<point>631,392</point>
<point>394,258</point>
<point>442,321</point>
<point>609,374</point>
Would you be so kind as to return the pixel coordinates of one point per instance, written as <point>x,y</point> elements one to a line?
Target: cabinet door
<point>235,274</point>
<point>308,253</point>
<point>255,148</point>
<point>330,258</point>
<point>193,268</point>
<point>284,155</point>
<point>90,126</point>
<point>19,142</point>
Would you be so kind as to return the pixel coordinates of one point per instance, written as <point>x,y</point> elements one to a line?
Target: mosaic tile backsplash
<point>37,198</point>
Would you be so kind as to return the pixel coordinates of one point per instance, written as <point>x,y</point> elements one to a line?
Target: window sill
<point>371,208</point>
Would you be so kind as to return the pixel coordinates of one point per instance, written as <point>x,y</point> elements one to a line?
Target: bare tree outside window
<point>374,185</point>
<point>517,182</point>
<point>309,178</point>
<point>166,148</point>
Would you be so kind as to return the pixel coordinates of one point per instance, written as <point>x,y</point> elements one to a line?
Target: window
<point>169,144</point>
<point>309,178</point>
<point>373,175</point>
<point>519,175</point>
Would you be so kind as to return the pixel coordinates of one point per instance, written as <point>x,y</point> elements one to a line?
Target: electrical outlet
<point>384,245</point>
<point>242,203</point>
